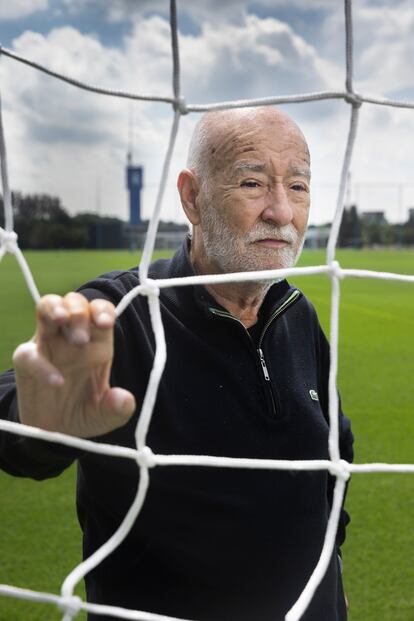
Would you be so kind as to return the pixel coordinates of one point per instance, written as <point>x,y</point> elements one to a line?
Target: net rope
<point>66,601</point>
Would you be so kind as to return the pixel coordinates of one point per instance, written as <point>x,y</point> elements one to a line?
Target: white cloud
<point>383,44</point>
<point>212,11</point>
<point>16,9</point>
<point>260,58</point>
<point>386,62</point>
<point>62,140</point>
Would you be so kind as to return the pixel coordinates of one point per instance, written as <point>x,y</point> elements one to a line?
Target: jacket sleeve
<point>23,456</point>
<point>346,438</point>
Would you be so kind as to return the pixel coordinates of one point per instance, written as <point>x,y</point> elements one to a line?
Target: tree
<point>41,221</point>
<point>350,229</point>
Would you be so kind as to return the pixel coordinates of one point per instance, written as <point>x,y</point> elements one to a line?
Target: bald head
<point>216,136</point>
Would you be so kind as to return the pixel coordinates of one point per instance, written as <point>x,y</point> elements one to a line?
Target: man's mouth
<point>271,242</point>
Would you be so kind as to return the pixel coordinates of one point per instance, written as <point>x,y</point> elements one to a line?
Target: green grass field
<point>39,536</point>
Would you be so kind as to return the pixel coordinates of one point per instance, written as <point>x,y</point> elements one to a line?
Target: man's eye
<point>298,187</point>
<point>250,183</point>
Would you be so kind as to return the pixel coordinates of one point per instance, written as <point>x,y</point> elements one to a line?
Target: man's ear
<point>188,189</point>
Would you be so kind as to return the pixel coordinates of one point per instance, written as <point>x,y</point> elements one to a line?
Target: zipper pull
<point>264,367</point>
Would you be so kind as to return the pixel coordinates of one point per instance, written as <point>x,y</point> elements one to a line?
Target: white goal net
<point>67,601</point>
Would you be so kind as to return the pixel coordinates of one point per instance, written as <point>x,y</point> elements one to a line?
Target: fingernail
<point>104,319</point>
<point>119,400</point>
<point>79,336</point>
<point>55,379</point>
<point>59,313</point>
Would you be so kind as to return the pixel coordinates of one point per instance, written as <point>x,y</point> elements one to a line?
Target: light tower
<point>134,230</point>
<point>134,184</point>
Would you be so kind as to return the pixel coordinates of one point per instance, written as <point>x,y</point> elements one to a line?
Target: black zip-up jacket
<point>210,544</point>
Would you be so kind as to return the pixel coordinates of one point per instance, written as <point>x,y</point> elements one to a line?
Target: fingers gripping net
<point>142,455</point>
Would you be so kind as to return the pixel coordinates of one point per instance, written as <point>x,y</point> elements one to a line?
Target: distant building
<point>170,235</point>
<point>317,236</point>
<point>411,214</point>
<point>377,217</point>
<point>171,239</point>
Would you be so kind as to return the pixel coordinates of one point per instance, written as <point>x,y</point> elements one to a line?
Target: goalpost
<point>71,604</point>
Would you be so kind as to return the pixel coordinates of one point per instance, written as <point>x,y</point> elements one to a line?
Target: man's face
<point>255,204</point>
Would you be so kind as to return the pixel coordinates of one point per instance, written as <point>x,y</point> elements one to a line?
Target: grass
<point>39,535</point>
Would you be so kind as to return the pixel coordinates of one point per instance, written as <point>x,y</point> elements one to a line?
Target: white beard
<point>232,253</point>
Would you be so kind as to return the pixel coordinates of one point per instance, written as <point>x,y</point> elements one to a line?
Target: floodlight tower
<point>134,184</point>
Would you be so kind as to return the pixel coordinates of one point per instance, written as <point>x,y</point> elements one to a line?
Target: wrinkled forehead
<point>234,139</point>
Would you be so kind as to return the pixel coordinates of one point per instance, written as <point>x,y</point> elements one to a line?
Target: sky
<point>74,144</point>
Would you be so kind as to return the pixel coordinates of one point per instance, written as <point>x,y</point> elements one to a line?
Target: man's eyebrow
<point>299,172</point>
<point>245,166</point>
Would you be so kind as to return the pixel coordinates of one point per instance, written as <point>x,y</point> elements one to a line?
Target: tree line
<point>358,231</point>
<point>41,222</point>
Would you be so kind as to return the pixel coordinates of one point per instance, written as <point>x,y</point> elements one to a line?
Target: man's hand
<point>62,375</point>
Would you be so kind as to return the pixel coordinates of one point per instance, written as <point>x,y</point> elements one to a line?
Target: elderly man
<point>246,376</point>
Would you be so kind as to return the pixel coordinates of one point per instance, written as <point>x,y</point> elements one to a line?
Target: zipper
<point>263,363</point>
<point>292,298</point>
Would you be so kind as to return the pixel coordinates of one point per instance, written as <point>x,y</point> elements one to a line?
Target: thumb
<point>116,408</point>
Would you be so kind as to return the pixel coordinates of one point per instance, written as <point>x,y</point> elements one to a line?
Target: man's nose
<point>277,208</point>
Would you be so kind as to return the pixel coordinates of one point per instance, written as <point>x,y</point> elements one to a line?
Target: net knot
<point>354,99</point>
<point>180,105</point>
<point>336,270</point>
<point>340,469</point>
<point>145,457</point>
<point>149,287</point>
<point>71,605</point>
<point>8,239</point>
